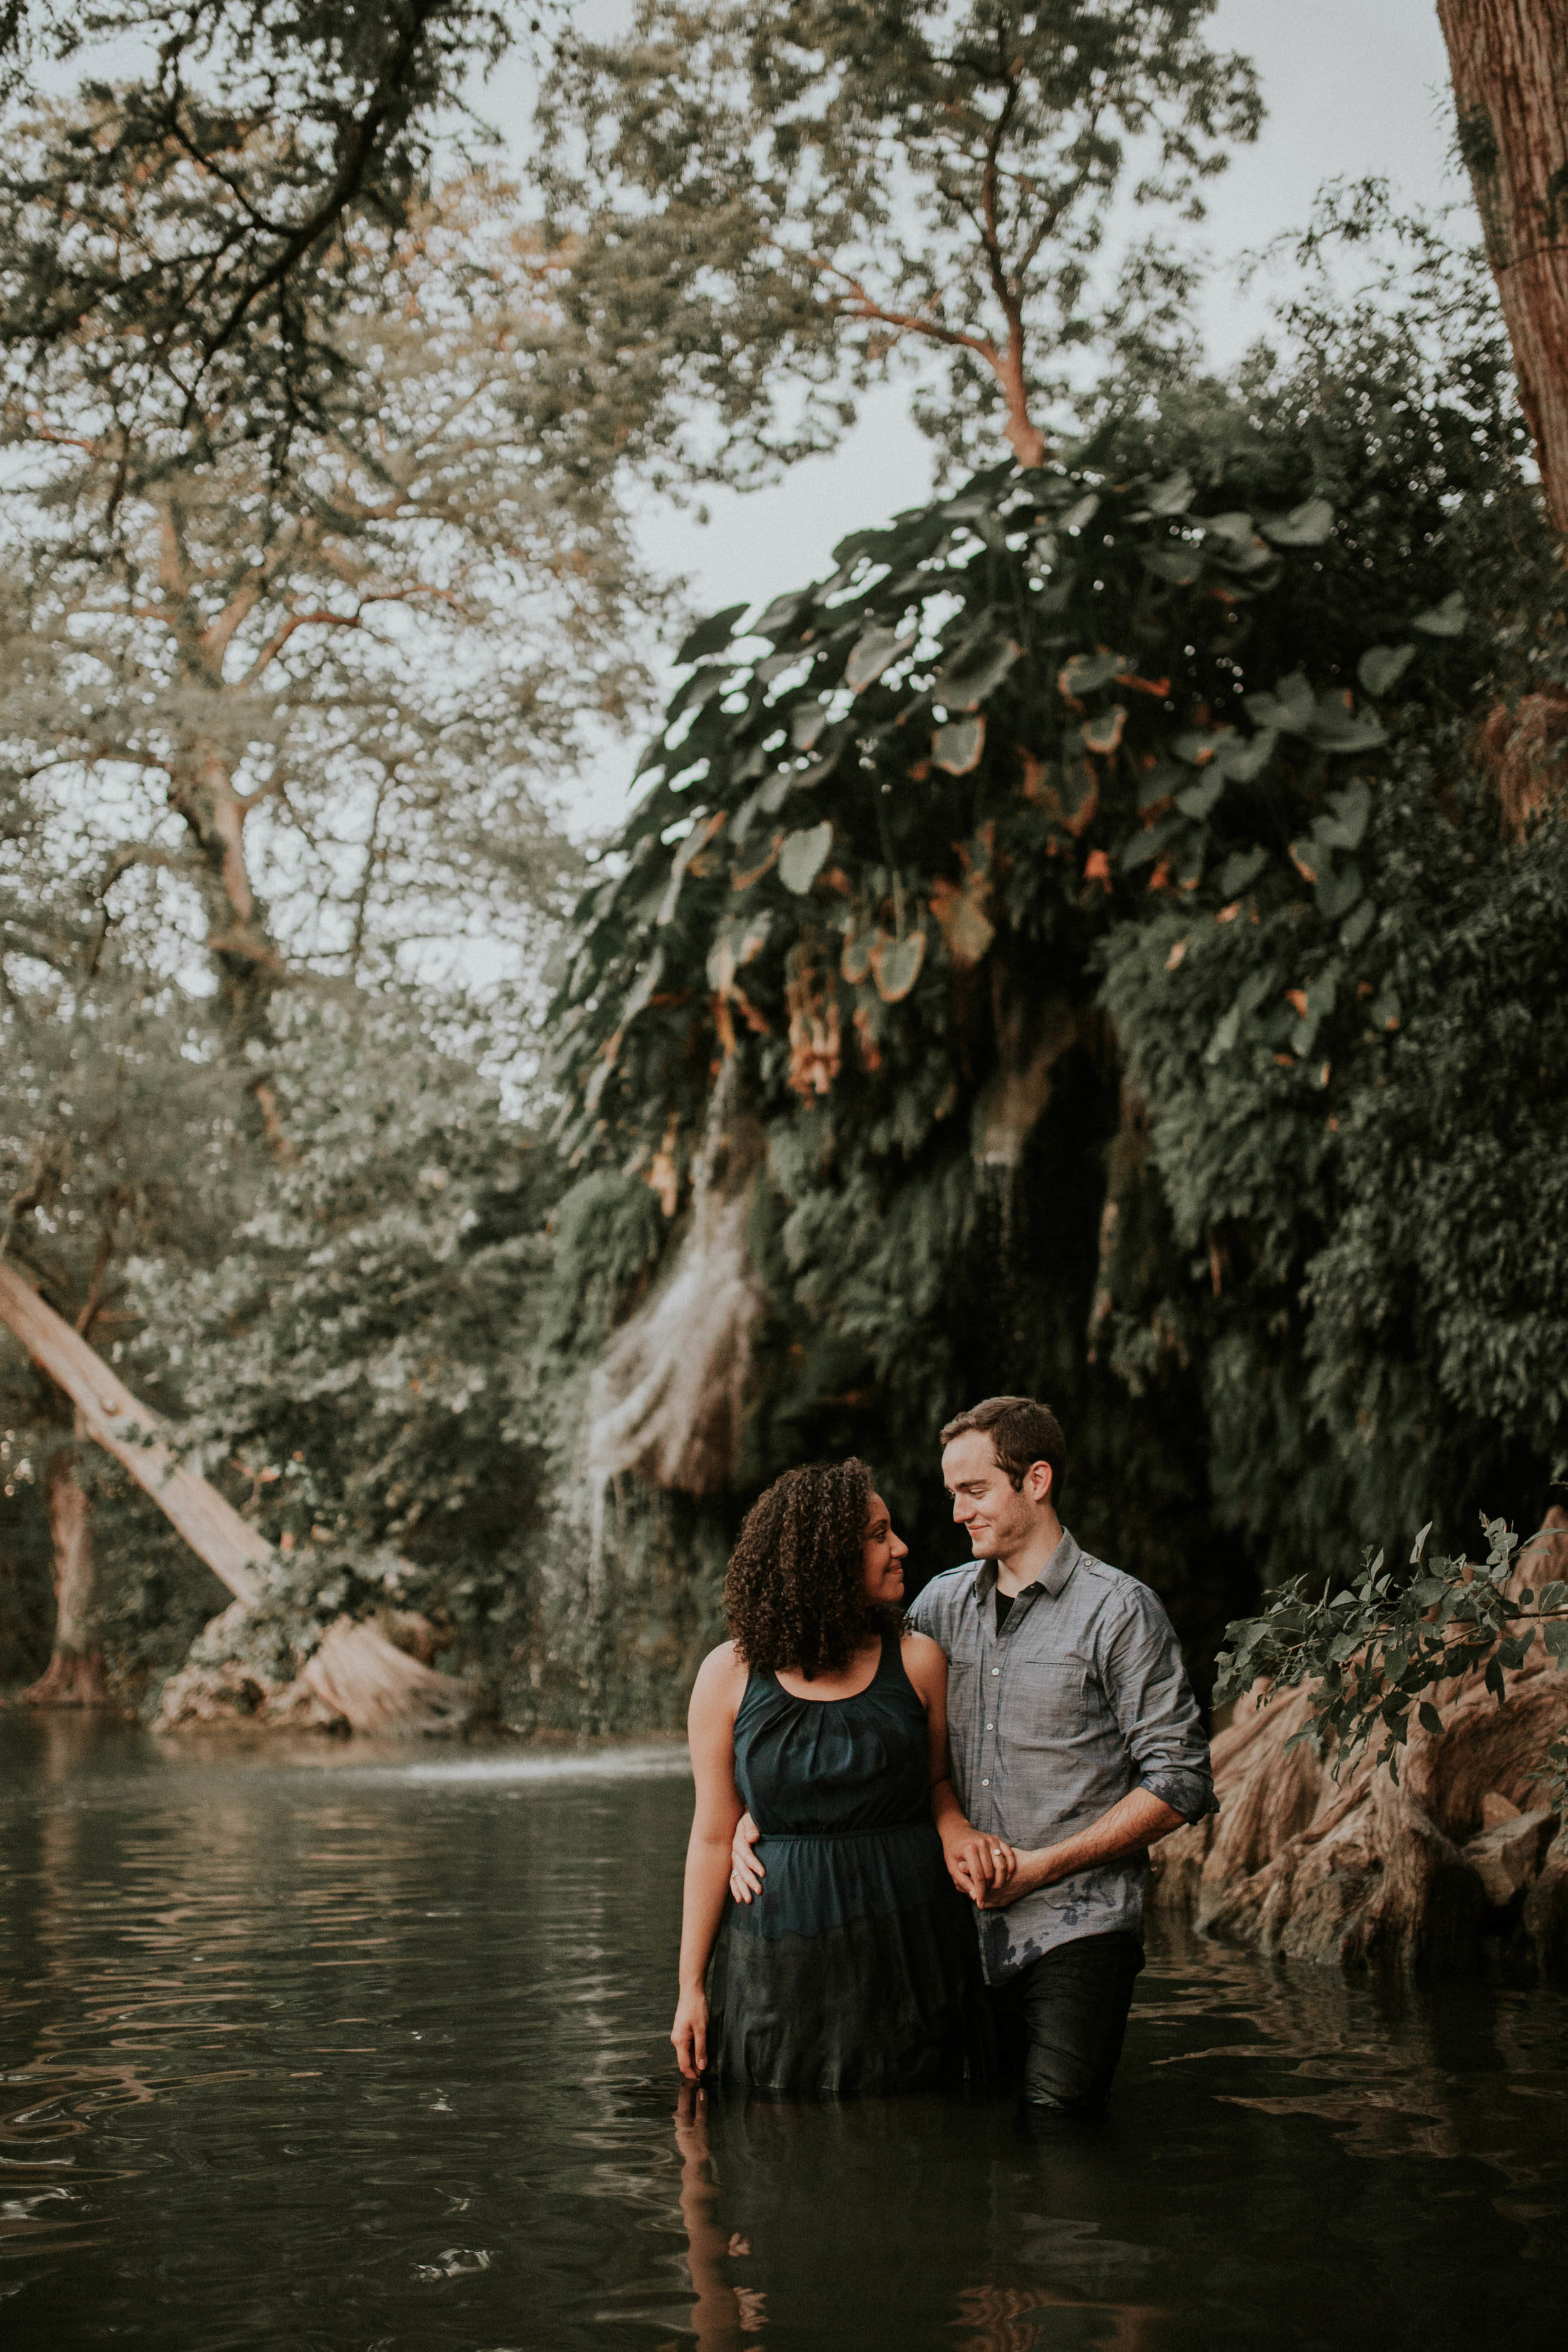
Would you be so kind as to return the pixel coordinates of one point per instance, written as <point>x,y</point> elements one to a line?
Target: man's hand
<point>746,1872</point>
<point>978,1865</point>
<point>1134,1822</point>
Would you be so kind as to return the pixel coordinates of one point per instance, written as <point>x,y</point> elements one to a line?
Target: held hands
<point>689,2034</point>
<point>982,1867</point>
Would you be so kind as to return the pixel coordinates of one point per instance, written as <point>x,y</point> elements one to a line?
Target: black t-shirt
<point>1004,1603</point>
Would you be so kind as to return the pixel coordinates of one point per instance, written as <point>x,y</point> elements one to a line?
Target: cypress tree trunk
<point>75,1672</point>
<point>1510,64</point>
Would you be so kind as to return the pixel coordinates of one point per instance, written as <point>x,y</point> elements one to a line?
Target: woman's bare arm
<point>710,1733</point>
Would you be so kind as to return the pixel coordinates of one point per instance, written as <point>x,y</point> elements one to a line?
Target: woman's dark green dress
<point>856,1968</point>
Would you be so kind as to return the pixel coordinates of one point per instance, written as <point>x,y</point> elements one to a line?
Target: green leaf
<point>1225,1035</point>
<point>1291,708</point>
<point>781,613</point>
<point>1337,727</point>
<point>976,673</point>
<point>1357,924</point>
<point>1345,827</point>
<point>1084,672</point>
<point>1307,525</point>
<point>1449,619</point>
<point>1235,529</point>
<point>1180,566</point>
<point>1240,870</point>
<point>873,652</point>
<point>957,746</point>
<point>896,964</point>
<point>1103,733</point>
<point>1244,758</point>
<point>1382,667</point>
<point>1083,511</point>
<point>711,637</point>
<point>802,857</point>
<point>1173,496</point>
<point>1419,1546</point>
<point>807,724</point>
<point>1338,891</point>
<point>1198,799</point>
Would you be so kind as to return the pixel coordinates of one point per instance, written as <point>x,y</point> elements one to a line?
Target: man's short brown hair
<point>1023,1433</point>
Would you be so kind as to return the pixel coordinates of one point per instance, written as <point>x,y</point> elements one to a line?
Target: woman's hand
<point>746,1872</point>
<point>689,2034</point>
<point>979,1866</point>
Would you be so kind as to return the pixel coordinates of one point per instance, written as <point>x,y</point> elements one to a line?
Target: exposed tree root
<point>1458,1857</point>
<point>356,1679</point>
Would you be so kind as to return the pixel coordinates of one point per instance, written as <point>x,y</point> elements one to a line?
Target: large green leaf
<point>1449,619</point>
<point>1084,672</point>
<point>896,964</point>
<point>1307,525</point>
<point>711,637</point>
<point>976,673</point>
<point>1382,667</point>
<point>874,650</point>
<point>957,747</point>
<point>802,857</point>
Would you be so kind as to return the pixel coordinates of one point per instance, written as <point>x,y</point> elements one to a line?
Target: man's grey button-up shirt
<point>1085,1697</point>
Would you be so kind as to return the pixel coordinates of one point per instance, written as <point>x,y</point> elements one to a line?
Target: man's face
<point>998,1517</point>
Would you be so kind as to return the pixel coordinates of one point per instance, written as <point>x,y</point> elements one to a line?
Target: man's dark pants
<point>1060,2022</point>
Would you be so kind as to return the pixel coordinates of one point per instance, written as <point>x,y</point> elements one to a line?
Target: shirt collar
<point>1051,1578</point>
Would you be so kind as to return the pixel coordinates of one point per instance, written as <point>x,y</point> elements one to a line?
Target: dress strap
<point>890,1665</point>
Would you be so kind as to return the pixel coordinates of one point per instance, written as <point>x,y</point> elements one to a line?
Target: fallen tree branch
<point>356,1674</point>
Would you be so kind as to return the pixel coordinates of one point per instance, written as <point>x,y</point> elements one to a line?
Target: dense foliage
<point>1091,892</point>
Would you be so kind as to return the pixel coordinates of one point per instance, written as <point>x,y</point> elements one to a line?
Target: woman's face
<point>885,1555</point>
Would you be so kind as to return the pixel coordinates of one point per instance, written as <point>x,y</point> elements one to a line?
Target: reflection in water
<point>340,2055</point>
<point>722,2312</point>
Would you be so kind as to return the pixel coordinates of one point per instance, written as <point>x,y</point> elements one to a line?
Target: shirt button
<point>991,1726</point>
<point>996,1670</point>
<point>986,1784</point>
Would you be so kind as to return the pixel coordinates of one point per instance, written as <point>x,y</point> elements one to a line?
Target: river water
<point>364,2052</point>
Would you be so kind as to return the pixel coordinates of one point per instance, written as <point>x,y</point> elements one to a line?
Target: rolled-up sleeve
<point>1146,1684</point>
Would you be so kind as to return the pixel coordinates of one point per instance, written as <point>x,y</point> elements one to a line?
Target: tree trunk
<point>1510,64</point>
<point>363,1677</point>
<point>1423,1872</point>
<point>113,1418</point>
<point>75,1672</point>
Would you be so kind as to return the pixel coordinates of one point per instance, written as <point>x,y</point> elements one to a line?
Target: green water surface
<point>365,2052</point>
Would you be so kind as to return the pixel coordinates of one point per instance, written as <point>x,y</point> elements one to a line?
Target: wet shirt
<point>1078,1697</point>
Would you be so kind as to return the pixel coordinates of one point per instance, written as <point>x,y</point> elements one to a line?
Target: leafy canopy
<point>764,200</point>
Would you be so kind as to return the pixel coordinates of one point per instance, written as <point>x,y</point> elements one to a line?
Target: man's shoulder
<point>1126,1595</point>
<point>942,1596</point>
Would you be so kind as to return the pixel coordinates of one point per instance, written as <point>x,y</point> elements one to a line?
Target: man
<point>1075,1740</point>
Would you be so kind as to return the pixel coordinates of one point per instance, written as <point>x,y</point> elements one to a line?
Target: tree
<point>330,694</point>
<point>884,989</point>
<point>364,1370</point>
<point>1510,64</point>
<point>119,1136</point>
<point>764,203</point>
<point>197,245</point>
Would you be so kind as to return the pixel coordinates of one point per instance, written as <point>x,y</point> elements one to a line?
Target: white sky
<point>1352,87</point>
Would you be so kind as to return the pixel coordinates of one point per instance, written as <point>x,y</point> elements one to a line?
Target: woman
<point>856,1968</point>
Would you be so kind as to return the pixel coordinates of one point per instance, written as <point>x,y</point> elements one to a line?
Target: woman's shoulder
<point>722,1667</point>
<point>925,1661</point>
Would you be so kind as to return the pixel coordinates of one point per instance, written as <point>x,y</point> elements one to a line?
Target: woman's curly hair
<point>795,1592</point>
